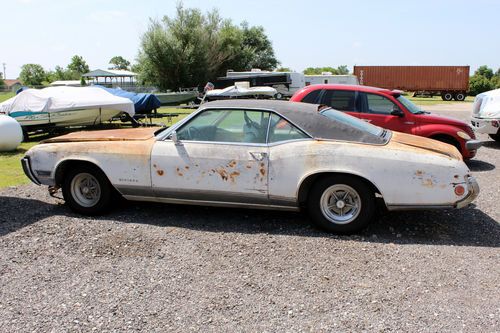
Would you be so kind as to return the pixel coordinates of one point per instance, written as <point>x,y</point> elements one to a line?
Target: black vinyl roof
<point>305,116</point>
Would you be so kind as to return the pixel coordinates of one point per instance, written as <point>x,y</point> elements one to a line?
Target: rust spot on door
<point>233,175</point>
<point>160,172</point>
<point>179,173</point>
<point>232,164</point>
<point>186,167</point>
<point>223,174</point>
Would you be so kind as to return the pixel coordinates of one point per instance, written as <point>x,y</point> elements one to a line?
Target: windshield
<point>409,105</point>
<point>352,121</point>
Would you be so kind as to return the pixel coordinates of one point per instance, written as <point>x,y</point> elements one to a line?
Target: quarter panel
<point>404,175</point>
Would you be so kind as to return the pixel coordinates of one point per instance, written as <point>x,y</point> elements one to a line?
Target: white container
<point>11,134</point>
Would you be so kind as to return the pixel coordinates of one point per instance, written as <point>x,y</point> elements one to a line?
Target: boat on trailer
<point>65,106</point>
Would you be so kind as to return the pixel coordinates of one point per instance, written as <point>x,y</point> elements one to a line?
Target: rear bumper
<point>25,162</point>
<point>473,192</point>
<point>488,126</point>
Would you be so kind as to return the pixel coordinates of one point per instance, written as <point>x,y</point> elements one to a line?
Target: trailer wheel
<point>447,96</point>
<point>459,96</point>
<point>278,96</point>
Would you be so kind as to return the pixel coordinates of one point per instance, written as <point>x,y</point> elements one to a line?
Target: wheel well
<point>447,139</point>
<point>68,165</point>
<point>308,183</point>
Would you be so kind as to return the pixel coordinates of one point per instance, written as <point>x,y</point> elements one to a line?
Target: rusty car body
<point>258,154</point>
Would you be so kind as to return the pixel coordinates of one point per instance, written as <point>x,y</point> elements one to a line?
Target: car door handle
<point>258,156</point>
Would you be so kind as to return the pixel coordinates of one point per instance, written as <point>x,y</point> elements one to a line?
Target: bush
<point>479,84</point>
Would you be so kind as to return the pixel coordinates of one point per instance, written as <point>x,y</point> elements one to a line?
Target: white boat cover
<point>56,99</point>
<point>238,91</point>
<point>487,104</point>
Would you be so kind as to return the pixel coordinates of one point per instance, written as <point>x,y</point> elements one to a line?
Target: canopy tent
<point>118,76</point>
<point>143,103</point>
<point>56,99</point>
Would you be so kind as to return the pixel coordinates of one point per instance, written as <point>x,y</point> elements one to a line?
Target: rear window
<point>312,97</point>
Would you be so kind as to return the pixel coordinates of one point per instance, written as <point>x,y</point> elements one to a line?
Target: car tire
<point>495,137</point>
<point>87,190</point>
<point>343,215</point>
<point>459,97</point>
<point>447,96</point>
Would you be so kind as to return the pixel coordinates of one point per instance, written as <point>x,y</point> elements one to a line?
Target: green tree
<point>284,69</point>
<point>479,84</point>
<point>2,82</point>
<point>119,63</point>
<point>484,71</point>
<point>32,75</point>
<point>192,48</point>
<point>340,70</point>
<point>78,66</point>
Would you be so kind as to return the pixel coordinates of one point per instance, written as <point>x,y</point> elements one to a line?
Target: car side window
<point>281,130</point>
<point>342,100</point>
<point>379,104</point>
<point>226,126</point>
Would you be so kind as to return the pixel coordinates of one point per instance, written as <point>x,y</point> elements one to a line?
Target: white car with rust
<point>258,154</point>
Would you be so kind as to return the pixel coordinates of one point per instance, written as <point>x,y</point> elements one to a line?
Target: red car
<point>390,109</point>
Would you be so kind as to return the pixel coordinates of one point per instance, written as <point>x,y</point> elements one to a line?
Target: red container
<point>430,79</point>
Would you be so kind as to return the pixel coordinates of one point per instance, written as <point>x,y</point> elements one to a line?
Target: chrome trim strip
<point>26,163</point>
<point>418,207</point>
<point>210,203</point>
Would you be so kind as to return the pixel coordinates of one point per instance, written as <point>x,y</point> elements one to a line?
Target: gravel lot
<point>156,268</point>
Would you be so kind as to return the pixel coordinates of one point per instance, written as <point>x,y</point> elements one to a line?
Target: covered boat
<point>65,106</point>
<point>240,90</point>
<point>143,103</point>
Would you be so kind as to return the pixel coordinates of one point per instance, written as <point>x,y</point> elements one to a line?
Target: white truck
<point>486,114</point>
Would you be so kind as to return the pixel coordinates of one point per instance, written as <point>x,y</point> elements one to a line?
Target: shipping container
<point>448,81</point>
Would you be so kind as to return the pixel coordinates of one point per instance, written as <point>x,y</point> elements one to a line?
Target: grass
<point>11,171</point>
<point>6,95</point>
<point>423,101</point>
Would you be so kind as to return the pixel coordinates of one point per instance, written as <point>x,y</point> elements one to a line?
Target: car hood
<point>132,134</point>
<point>418,143</point>
<point>436,119</point>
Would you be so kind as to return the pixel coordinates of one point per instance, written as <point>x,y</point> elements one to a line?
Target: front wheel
<point>87,190</point>
<point>341,204</point>
<point>495,137</point>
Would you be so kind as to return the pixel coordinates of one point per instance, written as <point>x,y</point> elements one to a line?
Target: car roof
<point>351,87</point>
<point>303,115</point>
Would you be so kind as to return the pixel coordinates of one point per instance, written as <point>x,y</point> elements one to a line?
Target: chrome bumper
<point>25,161</point>
<point>473,192</point>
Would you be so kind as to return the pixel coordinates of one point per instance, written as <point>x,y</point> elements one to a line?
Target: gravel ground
<point>157,268</point>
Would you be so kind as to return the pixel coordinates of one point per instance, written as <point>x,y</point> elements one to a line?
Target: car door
<point>376,109</point>
<point>342,100</point>
<point>219,156</point>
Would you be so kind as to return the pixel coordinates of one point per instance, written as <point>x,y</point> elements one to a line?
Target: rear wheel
<point>447,96</point>
<point>341,204</point>
<point>87,190</point>
<point>459,96</point>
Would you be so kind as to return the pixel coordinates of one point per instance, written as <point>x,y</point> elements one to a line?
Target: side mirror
<point>174,138</point>
<point>397,112</point>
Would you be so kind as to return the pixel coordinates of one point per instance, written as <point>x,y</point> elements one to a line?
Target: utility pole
<point>4,69</point>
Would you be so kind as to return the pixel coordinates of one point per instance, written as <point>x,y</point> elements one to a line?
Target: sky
<point>313,33</point>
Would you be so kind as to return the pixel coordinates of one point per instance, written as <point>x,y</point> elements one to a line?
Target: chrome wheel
<point>85,189</point>
<point>340,204</point>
